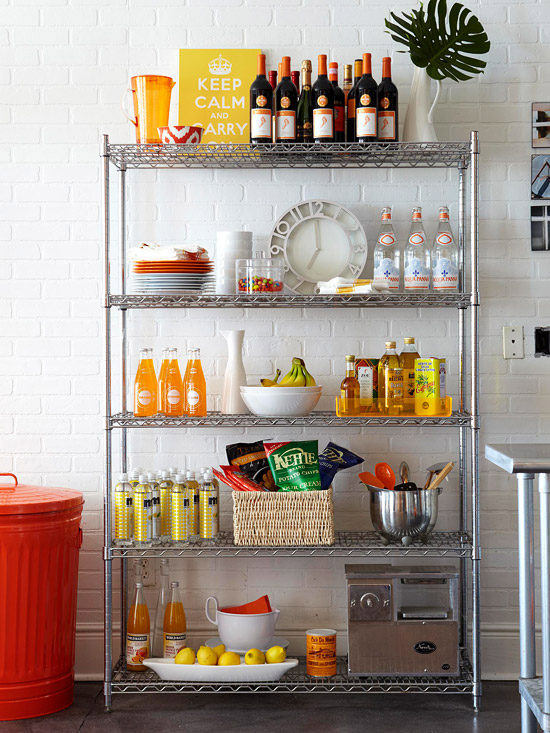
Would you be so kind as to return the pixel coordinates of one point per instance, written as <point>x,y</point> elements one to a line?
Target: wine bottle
<point>273,79</point>
<point>388,122</point>
<point>286,103</point>
<point>366,97</point>
<point>339,104</point>
<point>305,109</point>
<point>358,70</point>
<point>323,105</point>
<point>261,106</point>
<point>295,76</point>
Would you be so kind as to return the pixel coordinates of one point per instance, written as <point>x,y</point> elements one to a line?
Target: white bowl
<point>281,401</point>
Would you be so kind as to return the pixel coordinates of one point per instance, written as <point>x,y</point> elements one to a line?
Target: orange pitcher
<point>151,95</point>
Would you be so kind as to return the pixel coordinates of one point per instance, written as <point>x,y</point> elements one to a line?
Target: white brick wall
<point>63,68</point>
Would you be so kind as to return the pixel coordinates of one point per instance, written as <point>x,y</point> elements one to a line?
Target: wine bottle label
<point>261,123</point>
<point>172,644</point>
<point>173,396</point>
<point>366,121</point>
<point>286,124</point>
<point>137,648</point>
<point>386,270</point>
<point>417,276</point>
<point>339,118</point>
<point>445,275</point>
<point>323,123</point>
<point>261,101</point>
<point>386,125</point>
<point>144,397</point>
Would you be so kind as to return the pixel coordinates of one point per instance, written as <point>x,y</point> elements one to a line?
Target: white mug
<point>243,631</point>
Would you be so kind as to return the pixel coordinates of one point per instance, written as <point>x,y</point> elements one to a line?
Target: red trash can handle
<point>9,488</point>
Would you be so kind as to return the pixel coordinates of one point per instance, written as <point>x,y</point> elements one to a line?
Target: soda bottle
<point>123,512</point>
<point>350,390</point>
<point>386,253</point>
<point>162,381</point>
<point>444,256</point>
<point>173,405</point>
<point>138,633</point>
<point>155,507</point>
<point>194,385</point>
<point>193,493</point>
<point>180,510</point>
<point>133,476</point>
<point>162,602</point>
<point>175,625</point>
<point>390,382</point>
<point>145,386</point>
<point>209,508</point>
<point>142,512</point>
<point>165,488</point>
<point>407,358</point>
<point>417,256</point>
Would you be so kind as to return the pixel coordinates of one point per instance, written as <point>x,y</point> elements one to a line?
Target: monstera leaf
<point>444,43</point>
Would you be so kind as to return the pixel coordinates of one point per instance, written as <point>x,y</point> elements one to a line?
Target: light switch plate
<point>512,342</point>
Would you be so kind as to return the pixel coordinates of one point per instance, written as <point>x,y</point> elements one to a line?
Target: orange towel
<point>260,605</point>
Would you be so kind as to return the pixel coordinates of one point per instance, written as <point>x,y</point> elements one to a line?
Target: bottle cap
<point>261,64</point>
<point>142,478</point>
<point>285,66</point>
<point>306,65</point>
<point>350,357</point>
<point>190,475</point>
<point>123,477</point>
<point>417,212</point>
<point>174,584</point>
<point>408,340</point>
<point>151,476</point>
<point>367,67</point>
<point>322,63</point>
<point>386,212</point>
<point>358,67</point>
<point>139,585</point>
<point>180,478</point>
<point>208,475</point>
<point>386,67</point>
<point>347,71</point>
<point>390,344</point>
<point>173,469</point>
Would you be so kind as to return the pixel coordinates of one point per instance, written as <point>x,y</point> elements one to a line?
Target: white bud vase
<point>235,375</point>
<point>419,126</point>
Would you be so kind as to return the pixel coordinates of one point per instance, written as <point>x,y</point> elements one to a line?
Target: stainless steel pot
<point>404,515</point>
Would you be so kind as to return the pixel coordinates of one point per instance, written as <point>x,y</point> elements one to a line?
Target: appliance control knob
<point>369,601</point>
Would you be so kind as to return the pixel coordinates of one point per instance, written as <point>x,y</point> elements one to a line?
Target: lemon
<point>207,656</point>
<point>185,656</point>
<point>229,658</point>
<point>275,655</point>
<point>219,649</point>
<point>254,656</point>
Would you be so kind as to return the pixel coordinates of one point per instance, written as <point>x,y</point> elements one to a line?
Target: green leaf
<point>444,42</point>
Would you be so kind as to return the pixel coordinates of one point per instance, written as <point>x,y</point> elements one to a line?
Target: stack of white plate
<point>230,247</point>
<point>171,276</point>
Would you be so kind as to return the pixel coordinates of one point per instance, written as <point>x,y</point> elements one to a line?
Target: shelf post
<point>107,561</point>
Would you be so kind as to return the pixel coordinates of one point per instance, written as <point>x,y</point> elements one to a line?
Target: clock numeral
<point>355,270</point>
<point>276,249</point>
<point>283,228</point>
<point>318,204</point>
<point>297,214</point>
<point>359,248</point>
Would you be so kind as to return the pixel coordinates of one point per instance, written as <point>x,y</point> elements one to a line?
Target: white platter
<point>168,670</point>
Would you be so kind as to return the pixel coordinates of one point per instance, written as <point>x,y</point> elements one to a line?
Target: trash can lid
<point>19,498</point>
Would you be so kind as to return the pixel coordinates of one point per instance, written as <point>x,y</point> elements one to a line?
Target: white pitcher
<point>235,375</point>
<point>419,118</point>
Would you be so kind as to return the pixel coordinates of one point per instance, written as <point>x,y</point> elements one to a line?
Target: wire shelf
<point>314,419</point>
<point>292,155</point>
<point>296,680</point>
<point>347,544</point>
<point>370,300</point>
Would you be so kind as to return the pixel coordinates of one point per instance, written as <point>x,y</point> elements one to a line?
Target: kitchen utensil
<point>180,134</point>
<point>243,630</point>
<point>370,480</point>
<point>404,515</point>
<point>167,669</point>
<point>440,476</point>
<point>407,486</point>
<point>404,471</point>
<point>436,468</point>
<point>151,96</point>
<point>275,641</point>
<point>281,401</point>
<point>384,473</point>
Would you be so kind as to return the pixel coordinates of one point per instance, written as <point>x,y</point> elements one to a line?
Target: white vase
<point>235,375</point>
<point>419,118</point>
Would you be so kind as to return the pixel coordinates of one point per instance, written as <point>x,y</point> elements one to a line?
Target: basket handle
<point>9,488</point>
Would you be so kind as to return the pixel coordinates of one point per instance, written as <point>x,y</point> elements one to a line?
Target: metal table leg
<point>526,591</point>
<point>544,495</point>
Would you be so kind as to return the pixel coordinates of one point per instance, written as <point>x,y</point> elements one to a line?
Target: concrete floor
<point>338,713</point>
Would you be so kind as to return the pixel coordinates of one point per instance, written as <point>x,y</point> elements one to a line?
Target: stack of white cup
<point>230,247</point>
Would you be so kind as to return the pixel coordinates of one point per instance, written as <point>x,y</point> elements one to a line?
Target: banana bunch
<point>298,376</point>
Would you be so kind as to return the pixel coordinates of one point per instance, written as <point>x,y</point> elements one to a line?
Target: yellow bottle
<point>350,390</point>
<point>390,382</point>
<point>175,625</point>
<point>193,493</point>
<point>407,358</point>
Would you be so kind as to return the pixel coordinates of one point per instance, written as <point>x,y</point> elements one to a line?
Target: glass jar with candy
<point>259,276</point>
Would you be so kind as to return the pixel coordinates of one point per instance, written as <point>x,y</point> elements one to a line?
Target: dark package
<point>333,459</point>
<point>251,459</point>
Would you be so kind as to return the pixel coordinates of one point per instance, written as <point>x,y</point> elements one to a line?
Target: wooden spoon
<point>441,475</point>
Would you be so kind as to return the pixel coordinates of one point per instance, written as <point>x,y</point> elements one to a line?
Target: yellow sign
<point>214,89</point>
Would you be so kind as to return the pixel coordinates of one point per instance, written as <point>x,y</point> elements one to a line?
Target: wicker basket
<point>283,518</point>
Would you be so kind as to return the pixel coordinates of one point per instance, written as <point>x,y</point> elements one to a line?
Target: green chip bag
<point>295,465</point>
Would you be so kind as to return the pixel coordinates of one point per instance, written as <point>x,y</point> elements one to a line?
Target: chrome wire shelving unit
<point>462,544</point>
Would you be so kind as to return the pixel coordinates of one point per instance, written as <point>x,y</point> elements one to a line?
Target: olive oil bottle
<point>390,382</point>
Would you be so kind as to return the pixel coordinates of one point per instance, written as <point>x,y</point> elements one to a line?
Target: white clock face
<point>318,240</point>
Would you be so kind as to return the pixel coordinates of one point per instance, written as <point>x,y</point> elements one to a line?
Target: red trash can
<point>40,538</point>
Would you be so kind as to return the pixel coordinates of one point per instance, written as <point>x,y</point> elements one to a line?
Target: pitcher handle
<point>211,598</point>
<point>122,107</point>
<point>431,112</point>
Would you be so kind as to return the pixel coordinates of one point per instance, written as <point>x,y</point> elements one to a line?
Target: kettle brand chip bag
<point>295,465</point>
<point>333,459</point>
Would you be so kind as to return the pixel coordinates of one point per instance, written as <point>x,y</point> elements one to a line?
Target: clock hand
<point>317,248</point>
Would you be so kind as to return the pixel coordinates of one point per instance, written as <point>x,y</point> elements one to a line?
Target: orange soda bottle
<point>162,381</point>
<point>175,625</point>
<point>145,386</point>
<point>174,386</point>
<point>194,386</point>
<point>138,633</point>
